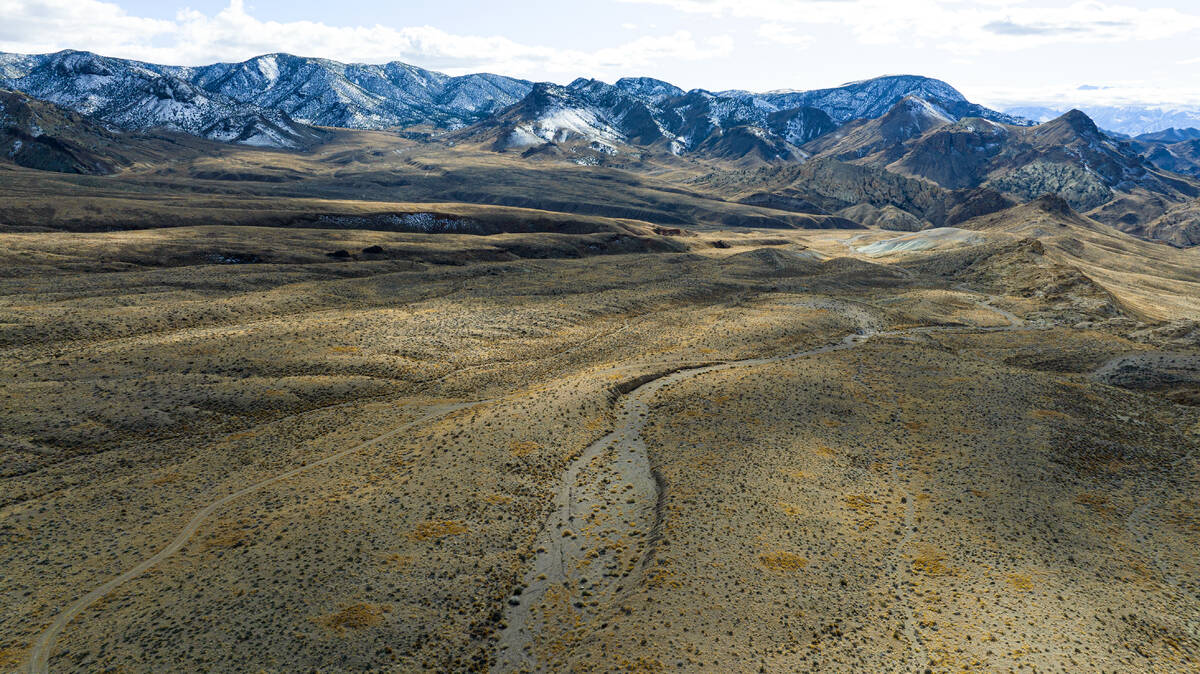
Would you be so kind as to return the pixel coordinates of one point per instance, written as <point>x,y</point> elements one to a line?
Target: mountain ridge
<point>266,99</point>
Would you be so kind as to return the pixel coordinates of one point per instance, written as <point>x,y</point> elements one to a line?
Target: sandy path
<point>1141,529</point>
<point>39,656</point>
<point>901,572</point>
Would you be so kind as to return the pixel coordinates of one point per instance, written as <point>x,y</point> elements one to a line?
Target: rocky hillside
<point>1068,156</point>
<point>1176,150</point>
<point>908,119</point>
<point>41,135</point>
<point>1179,226</point>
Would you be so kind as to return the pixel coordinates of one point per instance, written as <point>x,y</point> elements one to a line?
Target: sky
<point>997,52</point>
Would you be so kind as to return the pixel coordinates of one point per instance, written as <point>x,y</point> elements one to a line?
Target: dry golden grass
<point>782,561</point>
<point>1020,581</point>
<point>438,529</point>
<point>355,617</point>
<point>523,447</point>
<point>931,562</point>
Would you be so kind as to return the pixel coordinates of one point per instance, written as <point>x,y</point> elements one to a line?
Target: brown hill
<point>1117,262</point>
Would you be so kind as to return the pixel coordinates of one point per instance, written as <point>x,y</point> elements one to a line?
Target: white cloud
<point>42,25</point>
<point>193,37</point>
<point>783,34</point>
<point>961,25</point>
<point>1115,94</point>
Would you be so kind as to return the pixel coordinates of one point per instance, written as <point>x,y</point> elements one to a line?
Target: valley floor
<point>774,453</point>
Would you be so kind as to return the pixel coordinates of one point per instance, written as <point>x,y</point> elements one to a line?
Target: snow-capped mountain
<point>265,101</point>
<point>867,99</point>
<point>358,96</point>
<point>646,112</point>
<point>598,117</point>
<point>137,96</point>
<point>648,88</point>
<point>556,114</point>
<point>698,114</point>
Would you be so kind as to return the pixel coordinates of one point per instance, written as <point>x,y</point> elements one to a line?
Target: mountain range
<point>900,151</point>
<point>267,99</point>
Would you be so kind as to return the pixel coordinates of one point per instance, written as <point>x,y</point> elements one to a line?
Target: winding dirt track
<point>1140,529</point>
<point>603,527</point>
<point>39,656</point>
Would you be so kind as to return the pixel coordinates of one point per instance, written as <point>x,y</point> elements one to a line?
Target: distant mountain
<point>1131,120</point>
<point>139,96</point>
<point>1181,157</point>
<point>1179,226</point>
<point>1036,113</point>
<point>1171,135</point>
<point>872,98</point>
<point>1071,157</point>
<point>648,88</point>
<point>555,114</point>
<point>1176,150</point>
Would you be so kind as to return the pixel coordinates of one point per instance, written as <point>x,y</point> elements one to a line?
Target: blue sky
<point>996,51</point>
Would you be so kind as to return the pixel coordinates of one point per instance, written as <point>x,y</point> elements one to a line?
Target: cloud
<point>783,34</point>
<point>40,25</point>
<point>233,33</point>
<point>959,25</point>
<point>1011,28</point>
<point>1065,96</point>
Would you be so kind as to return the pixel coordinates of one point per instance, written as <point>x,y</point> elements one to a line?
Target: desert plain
<point>332,433</point>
